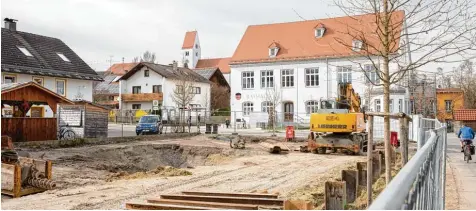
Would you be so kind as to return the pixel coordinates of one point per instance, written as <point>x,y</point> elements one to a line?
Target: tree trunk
<point>386,90</point>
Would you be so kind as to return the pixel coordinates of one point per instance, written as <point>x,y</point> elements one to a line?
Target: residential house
<point>423,94</point>
<point>191,56</point>
<point>147,82</point>
<point>220,90</point>
<point>47,61</point>
<point>396,104</point>
<point>107,92</point>
<point>448,100</point>
<point>303,62</point>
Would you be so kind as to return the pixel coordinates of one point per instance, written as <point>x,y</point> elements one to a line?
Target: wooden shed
<point>20,97</point>
<point>86,119</point>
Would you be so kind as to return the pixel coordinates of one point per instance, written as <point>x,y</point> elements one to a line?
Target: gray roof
<point>106,87</point>
<point>45,60</point>
<point>181,73</point>
<point>206,73</point>
<point>11,85</point>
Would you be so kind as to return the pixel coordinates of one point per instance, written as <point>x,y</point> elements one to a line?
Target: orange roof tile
<point>222,63</point>
<point>189,40</point>
<point>120,68</point>
<point>297,40</point>
<point>464,114</point>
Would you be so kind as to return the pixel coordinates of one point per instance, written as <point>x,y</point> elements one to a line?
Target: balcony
<point>142,97</point>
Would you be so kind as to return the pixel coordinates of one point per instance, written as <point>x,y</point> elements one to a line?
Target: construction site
<point>108,176</point>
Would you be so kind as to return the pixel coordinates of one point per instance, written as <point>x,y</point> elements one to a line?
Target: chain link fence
<point>420,184</point>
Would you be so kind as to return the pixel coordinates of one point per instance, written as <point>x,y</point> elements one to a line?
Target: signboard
<point>238,96</point>
<point>155,108</point>
<point>155,103</point>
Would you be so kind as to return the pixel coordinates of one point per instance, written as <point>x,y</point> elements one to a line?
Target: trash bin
<point>215,129</point>
<point>208,128</point>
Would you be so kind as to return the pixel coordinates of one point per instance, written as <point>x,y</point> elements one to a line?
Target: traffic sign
<point>155,108</point>
<point>155,103</point>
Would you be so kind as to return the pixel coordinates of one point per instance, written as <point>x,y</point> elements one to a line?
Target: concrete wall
<point>74,87</point>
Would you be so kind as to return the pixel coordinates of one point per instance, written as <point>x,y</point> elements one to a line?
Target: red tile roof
<point>297,40</point>
<point>464,114</point>
<point>222,63</point>
<point>449,90</point>
<point>189,40</point>
<point>120,68</point>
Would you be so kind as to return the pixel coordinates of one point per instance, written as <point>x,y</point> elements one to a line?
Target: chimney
<point>10,24</point>
<point>174,65</point>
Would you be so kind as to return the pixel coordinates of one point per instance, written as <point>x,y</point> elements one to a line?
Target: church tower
<point>191,50</point>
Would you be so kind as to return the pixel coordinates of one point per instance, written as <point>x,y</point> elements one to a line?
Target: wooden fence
<point>30,129</point>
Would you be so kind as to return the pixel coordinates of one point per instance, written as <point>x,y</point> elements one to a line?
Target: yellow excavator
<point>338,125</point>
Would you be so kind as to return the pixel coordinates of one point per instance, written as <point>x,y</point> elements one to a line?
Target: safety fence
<point>420,184</point>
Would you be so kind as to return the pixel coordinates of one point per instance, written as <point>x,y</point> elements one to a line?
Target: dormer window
<point>187,53</point>
<point>63,57</point>
<point>357,45</point>
<point>319,32</point>
<point>25,51</point>
<point>273,52</point>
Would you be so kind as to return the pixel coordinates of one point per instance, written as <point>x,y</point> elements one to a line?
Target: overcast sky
<point>98,29</point>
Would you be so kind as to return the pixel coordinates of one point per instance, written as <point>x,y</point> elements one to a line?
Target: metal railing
<point>420,184</point>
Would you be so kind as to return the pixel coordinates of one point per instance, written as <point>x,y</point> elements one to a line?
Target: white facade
<point>192,55</point>
<point>299,93</point>
<point>75,88</point>
<point>201,100</point>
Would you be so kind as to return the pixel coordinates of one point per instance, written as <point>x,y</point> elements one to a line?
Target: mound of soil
<point>167,171</point>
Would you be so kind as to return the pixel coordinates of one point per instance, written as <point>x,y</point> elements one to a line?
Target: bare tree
<point>147,56</point>
<point>220,96</point>
<point>409,34</point>
<point>273,98</point>
<point>443,80</point>
<point>465,78</point>
<point>182,96</point>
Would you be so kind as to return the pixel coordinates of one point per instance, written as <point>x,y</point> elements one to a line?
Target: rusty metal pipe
<point>41,183</point>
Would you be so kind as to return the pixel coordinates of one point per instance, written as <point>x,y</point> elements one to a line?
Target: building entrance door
<point>288,111</point>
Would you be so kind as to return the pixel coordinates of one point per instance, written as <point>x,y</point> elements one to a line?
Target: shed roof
<point>464,114</point>
<point>10,87</point>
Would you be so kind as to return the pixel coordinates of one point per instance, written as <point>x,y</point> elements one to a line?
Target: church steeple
<point>191,50</point>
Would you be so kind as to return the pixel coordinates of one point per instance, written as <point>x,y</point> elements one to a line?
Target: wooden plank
<point>31,190</point>
<point>150,206</point>
<point>297,205</point>
<point>17,181</point>
<point>335,195</point>
<point>361,176</point>
<point>49,169</point>
<point>370,144</point>
<point>8,174</point>
<point>244,195</point>
<point>204,204</point>
<point>225,199</point>
<point>29,129</point>
<point>350,179</point>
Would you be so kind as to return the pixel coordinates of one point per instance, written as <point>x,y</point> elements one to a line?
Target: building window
<point>312,77</point>
<point>266,106</point>
<point>371,73</point>
<point>273,52</point>
<point>187,53</point>
<point>344,74</point>
<point>320,32</point>
<point>136,90</point>
<point>390,105</point>
<point>267,79</point>
<point>196,46</point>
<point>196,53</point>
<point>63,57</point>
<point>247,108</point>
<point>194,106</point>
<point>412,107</point>
<point>448,105</point>
<point>377,105</point>
<point>38,80</point>
<point>8,79</point>
<point>61,87</point>
<point>196,90</point>
<point>248,80</point>
<point>111,98</point>
<point>287,78</point>
<point>136,106</point>
<point>400,105</point>
<point>156,88</point>
<point>179,89</point>
<point>357,45</point>
<point>25,51</point>
<point>312,106</point>
<point>146,73</point>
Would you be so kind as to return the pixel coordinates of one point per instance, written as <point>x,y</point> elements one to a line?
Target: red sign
<point>394,139</point>
<point>238,96</point>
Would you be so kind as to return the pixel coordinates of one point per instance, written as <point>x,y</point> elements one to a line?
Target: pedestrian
<point>227,123</point>
<point>198,118</point>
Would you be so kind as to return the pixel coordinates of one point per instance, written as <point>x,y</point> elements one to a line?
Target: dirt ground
<point>83,174</point>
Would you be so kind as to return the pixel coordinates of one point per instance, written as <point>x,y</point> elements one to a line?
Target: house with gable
<point>107,92</point>
<point>303,62</point>
<point>47,61</point>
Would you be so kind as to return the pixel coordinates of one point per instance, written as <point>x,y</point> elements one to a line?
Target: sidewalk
<point>464,173</point>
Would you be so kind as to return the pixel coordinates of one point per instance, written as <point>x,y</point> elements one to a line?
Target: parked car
<point>149,124</point>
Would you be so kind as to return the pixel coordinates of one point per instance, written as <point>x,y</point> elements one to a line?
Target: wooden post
<point>404,139</point>
<point>17,181</point>
<point>376,166</point>
<point>349,177</point>
<point>369,160</point>
<point>361,178</point>
<point>335,195</point>
<point>382,161</point>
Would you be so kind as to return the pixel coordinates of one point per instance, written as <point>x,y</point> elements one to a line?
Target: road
<point>464,174</point>
<point>118,130</point>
